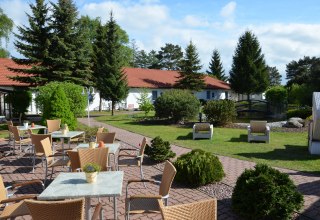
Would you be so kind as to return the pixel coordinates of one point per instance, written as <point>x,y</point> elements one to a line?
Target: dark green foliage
<point>249,72</point>
<point>20,100</point>
<point>215,67</point>
<point>189,76</point>
<point>77,101</point>
<point>177,105</point>
<point>300,95</point>
<point>303,113</point>
<point>169,58</point>
<point>57,107</point>
<point>277,95</point>
<point>159,150</point>
<point>274,76</point>
<point>265,193</point>
<point>220,112</point>
<point>6,25</point>
<point>145,60</point>
<point>198,168</point>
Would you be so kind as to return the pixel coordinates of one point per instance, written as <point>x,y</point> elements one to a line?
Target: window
<point>212,95</point>
<point>227,95</point>
<point>154,95</point>
<point>208,94</point>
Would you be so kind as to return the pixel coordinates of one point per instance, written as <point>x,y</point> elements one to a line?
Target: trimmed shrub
<point>73,92</point>
<point>177,105</point>
<point>220,112</point>
<point>303,113</point>
<point>265,193</point>
<point>159,150</point>
<point>57,107</point>
<point>198,168</point>
<point>20,100</point>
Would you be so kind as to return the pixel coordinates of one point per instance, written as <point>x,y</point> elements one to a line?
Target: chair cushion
<point>202,127</point>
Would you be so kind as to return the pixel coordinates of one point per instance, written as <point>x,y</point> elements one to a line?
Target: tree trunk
<point>249,102</point>
<point>100,105</point>
<point>112,108</point>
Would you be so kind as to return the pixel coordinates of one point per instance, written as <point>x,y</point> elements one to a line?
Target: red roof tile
<point>5,73</point>
<point>153,78</point>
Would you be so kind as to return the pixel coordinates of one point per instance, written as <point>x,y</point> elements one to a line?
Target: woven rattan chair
<point>37,148</point>
<point>10,139</point>
<point>201,210</point>
<point>135,160</point>
<point>62,210</point>
<point>96,155</point>
<point>53,125</point>
<point>14,207</point>
<point>52,159</point>
<point>106,137</point>
<point>100,129</point>
<point>138,204</point>
<point>74,160</point>
<point>20,140</point>
<point>258,131</point>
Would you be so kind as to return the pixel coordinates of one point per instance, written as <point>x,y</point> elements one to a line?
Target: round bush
<point>300,113</point>
<point>265,193</point>
<point>177,105</point>
<point>220,112</point>
<point>159,150</point>
<point>198,168</point>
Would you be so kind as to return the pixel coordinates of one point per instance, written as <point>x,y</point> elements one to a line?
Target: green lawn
<point>287,150</point>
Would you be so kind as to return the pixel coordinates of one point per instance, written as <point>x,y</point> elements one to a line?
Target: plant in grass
<point>145,102</point>
<point>220,112</point>
<point>91,168</point>
<point>159,150</point>
<point>177,105</point>
<point>265,193</point>
<point>198,168</point>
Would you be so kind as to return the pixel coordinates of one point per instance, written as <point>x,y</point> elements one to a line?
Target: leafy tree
<point>111,80</point>
<point>274,76</point>
<point>248,73</point>
<point>145,102</point>
<point>20,99</point>
<point>300,94</point>
<point>215,67</point>
<point>190,77</point>
<point>169,57</point>
<point>58,107</point>
<point>33,43</point>
<point>6,25</point>
<point>277,96</point>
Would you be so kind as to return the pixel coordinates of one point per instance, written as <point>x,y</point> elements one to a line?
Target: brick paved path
<point>13,168</point>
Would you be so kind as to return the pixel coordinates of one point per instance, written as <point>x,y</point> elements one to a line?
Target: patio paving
<point>13,168</point>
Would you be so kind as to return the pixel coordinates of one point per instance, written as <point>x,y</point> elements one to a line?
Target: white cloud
<point>228,10</point>
<point>194,21</point>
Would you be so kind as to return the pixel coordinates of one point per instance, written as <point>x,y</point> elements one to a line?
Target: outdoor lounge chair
<point>258,131</point>
<point>202,130</point>
<point>14,207</point>
<point>138,204</point>
<point>201,210</point>
<point>62,210</point>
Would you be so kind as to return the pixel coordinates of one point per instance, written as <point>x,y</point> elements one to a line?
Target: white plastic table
<point>23,128</point>
<point>74,185</point>
<point>68,136</point>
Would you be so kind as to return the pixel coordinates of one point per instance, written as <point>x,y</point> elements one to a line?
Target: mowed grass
<point>286,150</point>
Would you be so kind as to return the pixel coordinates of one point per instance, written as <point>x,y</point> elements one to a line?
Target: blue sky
<point>287,29</point>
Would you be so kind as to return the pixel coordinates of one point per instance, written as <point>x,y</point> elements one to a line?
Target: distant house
<point>154,81</point>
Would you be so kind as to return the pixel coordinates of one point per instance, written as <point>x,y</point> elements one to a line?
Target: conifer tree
<point>33,43</point>
<point>215,67</point>
<point>249,72</point>
<point>111,80</point>
<point>190,78</point>
<point>6,25</point>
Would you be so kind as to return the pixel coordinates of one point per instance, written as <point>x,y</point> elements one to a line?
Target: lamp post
<point>88,91</point>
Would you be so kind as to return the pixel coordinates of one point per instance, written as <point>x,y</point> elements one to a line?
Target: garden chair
<point>258,131</point>
<point>74,160</point>
<point>38,150</point>
<point>201,210</point>
<point>138,204</point>
<point>96,155</point>
<point>62,210</point>
<point>19,139</point>
<point>202,130</point>
<point>52,159</point>
<point>100,129</point>
<point>10,139</point>
<point>314,125</point>
<point>136,159</point>
<point>14,207</point>
<point>106,137</point>
<point>53,125</point>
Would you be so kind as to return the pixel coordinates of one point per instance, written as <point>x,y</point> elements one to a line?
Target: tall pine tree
<point>111,80</point>
<point>215,67</point>
<point>274,76</point>
<point>190,78</point>
<point>248,74</point>
<point>169,57</point>
<point>33,43</point>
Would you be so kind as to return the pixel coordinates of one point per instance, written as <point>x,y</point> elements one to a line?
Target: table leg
<point>115,207</point>
<point>62,146</point>
<point>87,208</point>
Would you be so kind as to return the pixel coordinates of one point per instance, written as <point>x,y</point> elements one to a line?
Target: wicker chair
<point>14,207</point>
<point>258,131</point>
<point>137,159</point>
<point>20,140</point>
<point>96,155</point>
<point>37,148</point>
<point>62,210</point>
<point>138,204</point>
<point>52,159</point>
<point>201,210</point>
<point>106,137</point>
<point>100,129</point>
<point>53,125</point>
<point>10,139</point>
<point>74,160</point>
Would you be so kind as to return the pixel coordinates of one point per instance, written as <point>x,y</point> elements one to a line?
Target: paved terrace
<point>14,168</point>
